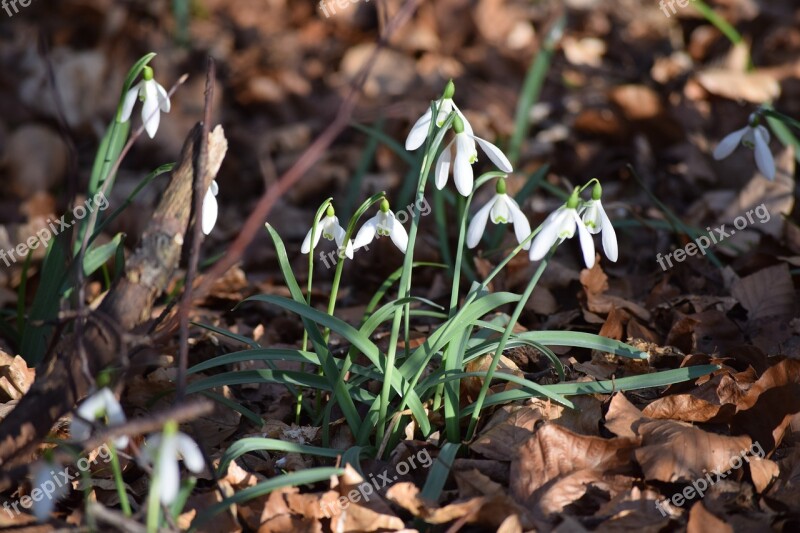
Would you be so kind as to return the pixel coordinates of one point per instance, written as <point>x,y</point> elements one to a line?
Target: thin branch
<point>200,188</point>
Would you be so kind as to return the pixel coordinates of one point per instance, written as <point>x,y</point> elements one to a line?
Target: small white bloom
<point>328,227</point>
<point>44,475</point>
<point>154,100</point>
<point>444,106</point>
<point>163,451</point>
<point>210,208</point>
<point>466,155</point>
<point>753,136</point>
<point>100,405</point>
<point>596,221</point>
<point>502,209</point>
<point>382,225</point>
<point>558,227</point>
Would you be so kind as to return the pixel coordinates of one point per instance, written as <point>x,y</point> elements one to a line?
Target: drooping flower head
<point>444,106</point>
<point>383,224</point>
<point>559,226</point>
<point>44,476</point>
<point>328,227</point>
<point>502,209</point>
<point>466,154</point>
<point>99,406</point>
<point>154,100</point>
<point>596,221</point>
<point>163,451</point>
<point>753,136</point>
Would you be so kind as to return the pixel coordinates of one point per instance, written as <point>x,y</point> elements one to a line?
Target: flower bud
<point>597,191</point>
<point>449,90</point>
<point>147,73</point>
<point>458,124</point>
<point>501,186</point>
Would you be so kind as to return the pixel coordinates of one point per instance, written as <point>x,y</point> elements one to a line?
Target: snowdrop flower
<point>163,451</point>
<point>210,208</point>
<point>381,225</point>
<point>596,221</point>
<point>558,227</point>
<point>466,155</point>
<point>329,228</point>
<point>502,209</point>
<point>754,136</point>
<point>444,106</point>
<point>44,476</point>
<point>100,405</point>
<point>154,100</point>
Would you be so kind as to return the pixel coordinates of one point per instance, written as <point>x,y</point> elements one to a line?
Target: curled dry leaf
<point>554,452</point>
<point>677,452</point>
<point>766,410</point>
<point>491,512</point>
<point>701,520</point>
<point>713,401</point>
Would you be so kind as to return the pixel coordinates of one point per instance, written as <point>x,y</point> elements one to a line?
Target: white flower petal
<point>188,449</point>
<point>478,224</point>
<point>522,228</point>
<point>366,234</point>
<point>40,473</point>
<point>151,115</point>
<point>500,213</point>
<point>764,160</point>
<point>419,131</point>
<point>163,98</point>
<point>462,172</point>
<point>495,154</point>
<point>609,237</point>
<point>587,244</point>
<point>169,476</point>
<point>214,187</point>
<point>209,213</point>
<point>443,166</point>
<point>445,108</point>
<point>591,216</point>
<point>727,145</point>
<point>339,235</point>
<point>130,100</point>
<point>548,235</point>
<point>398,234</point>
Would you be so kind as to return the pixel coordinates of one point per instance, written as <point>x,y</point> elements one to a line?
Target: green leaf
<point>252,444</point>
<point>656,379</point>
<point>440,470</point>
<point>97,257</point>
<point>303,477</point>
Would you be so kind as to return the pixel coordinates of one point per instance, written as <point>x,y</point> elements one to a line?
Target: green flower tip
<point>597,191</point>
<point>449,90</point>
<point>170,427</point>
<point>574,199</point>
<point>754,119</point>
<point>147,73</point>
<point>330,212</point>
<point>501,186</point>
<point>458,124</point>
<point>385,205</point>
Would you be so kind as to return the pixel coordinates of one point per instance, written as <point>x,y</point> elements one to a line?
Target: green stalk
<point>502,344</point>
<point>118,481</point>
<point>322,208</point>
<point>405,279</point>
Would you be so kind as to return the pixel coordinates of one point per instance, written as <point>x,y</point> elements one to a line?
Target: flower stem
<point>118,481</point>
<point>404,288</point>
<point>502,344</point>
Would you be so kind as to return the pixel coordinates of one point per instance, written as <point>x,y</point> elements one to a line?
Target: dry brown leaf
<point>595,285</point>
<point>676,452</point>
<point>714,401</point>
<point>756,87</point>
<point>623,418</point>
<point>554,451</point>
<point>763,472</point>
<point>701,521</point>
<point>508,428</point>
